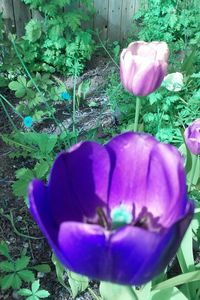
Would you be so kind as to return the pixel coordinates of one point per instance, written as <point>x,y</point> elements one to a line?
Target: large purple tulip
<point>116,212</point>
<point>192,137</point>
<point>143,66</point>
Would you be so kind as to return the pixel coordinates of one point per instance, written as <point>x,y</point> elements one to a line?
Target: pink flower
<point>143,66</point>
<point>192,137</point>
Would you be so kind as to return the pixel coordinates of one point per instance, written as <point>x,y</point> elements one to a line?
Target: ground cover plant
<point>116,197</point>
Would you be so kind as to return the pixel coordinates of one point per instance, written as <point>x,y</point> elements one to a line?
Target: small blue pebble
<point>28,122</point>
<point>65,96</point>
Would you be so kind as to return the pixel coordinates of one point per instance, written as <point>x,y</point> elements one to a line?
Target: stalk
<point>137,113</point>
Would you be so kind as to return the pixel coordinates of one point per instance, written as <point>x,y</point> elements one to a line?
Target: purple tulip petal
<point>146,253</point>
<point>148,77</point>
<point>85,247</point>
<point>130,255</point>
<point>79,182</point>
<point>148,174</point>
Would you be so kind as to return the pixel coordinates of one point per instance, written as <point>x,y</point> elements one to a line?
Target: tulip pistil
<point>120,216</point>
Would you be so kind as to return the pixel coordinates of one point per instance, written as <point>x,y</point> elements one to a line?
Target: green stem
<point>137,113</point>
<point>184,269</point>
<point>194,166</point>
<point>74,98</point>
<point>8,116</point>
<point>13,108</point>
<point>103,46</point>
<point>94,295</point>
<point>10,218</point>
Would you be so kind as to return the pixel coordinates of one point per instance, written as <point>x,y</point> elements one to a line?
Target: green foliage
<point>35,293</point>
<point>33,102</point>
<point>57,41</point>
<point>77,283</point>
<point>14,272</point>
<point>82,92</point>
<point>177,23</point>
<point>116,292</point>
<point>163,112</point>
<point>39,147</point>
<point>6,56</point>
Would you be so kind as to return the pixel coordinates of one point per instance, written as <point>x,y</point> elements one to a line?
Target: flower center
<point>120,216</point>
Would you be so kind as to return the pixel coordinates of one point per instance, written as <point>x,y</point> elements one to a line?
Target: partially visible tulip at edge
<point>192,137</point>
<point>143,66</point>
<point>115,212</point>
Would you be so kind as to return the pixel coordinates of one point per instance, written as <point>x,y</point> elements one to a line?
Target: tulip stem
<point>193,171</point>
<point>137,113</point>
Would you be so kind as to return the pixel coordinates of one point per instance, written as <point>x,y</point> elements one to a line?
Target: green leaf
<point>20,93</point>
<point>109,291</point>
<point>33,30</point>
<point>33,297</point>
<point>24,292</point>
<point>3,82</point>
<point>47,142</point>
<point>35,286</point>
<point>166,294</point>
<point>41,169</point>
<point>178,280</point>
<point>18,87</point>
<point>22,262</point>
<point>26,275</point>
<point>7,281</point>
<point>17,282</point>
<point>20,186</point>
<point>43,268</point>
<point>185,252</point>
<point>194,177</point>
<point>42,294</point>
<point>22,80</point>
<point>144,292</point>
<point>15,85</point>
<point>7,266</point>
<point>78,283</point>
<point>59,271</point>
<point>4,249</point>
<point>154,97</point>
<point>189,61</point>
<point>188,157</point>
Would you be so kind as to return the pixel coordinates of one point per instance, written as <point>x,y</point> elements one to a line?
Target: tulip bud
<point>143,66</point>
<point>192,137</point>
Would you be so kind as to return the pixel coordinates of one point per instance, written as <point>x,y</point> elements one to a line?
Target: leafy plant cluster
<point>175,22</point>
<point>6,56</point>
<point>163,113</point>
<point>16,272</point>
<point>37,146</point>
<point>34,101</point>
<point>56,41</point>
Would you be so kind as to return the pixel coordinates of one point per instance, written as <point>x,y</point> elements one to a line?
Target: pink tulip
<point>143,66</point>
<point>192,137</point>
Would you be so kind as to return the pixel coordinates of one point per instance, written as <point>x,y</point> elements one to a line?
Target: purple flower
<point>116,212</point>
<point>143,66</point>
<point>192,137</point>
<point>28,121</point>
